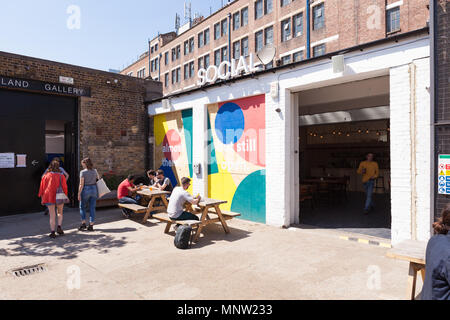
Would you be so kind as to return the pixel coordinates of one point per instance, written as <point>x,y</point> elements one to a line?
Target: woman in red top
<point>50,183</point>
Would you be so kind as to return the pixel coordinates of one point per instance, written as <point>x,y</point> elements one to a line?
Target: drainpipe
<point>308,30</point>
<point>149,60</point>
<point>412,82</point>
<point>229,39</point>
<point>159,66</point>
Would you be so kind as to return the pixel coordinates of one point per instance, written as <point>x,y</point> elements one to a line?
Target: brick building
<point>52,109</point>
<point>245,26</point>
<point>441,78</point>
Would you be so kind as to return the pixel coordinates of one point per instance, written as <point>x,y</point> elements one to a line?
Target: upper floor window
<point>319,50</point>
<point>166,80</point>
<point>285,60</point>
<point>206,37</point>
<point>236,20</point>
<point>298,56</point>
<point>259,9</point>
<point>318,16</point>
<point>393,19</point>
<point>268,6</point>
<point>258,40</point>
<point>244,47</point>
<point>244,17</point>
<point>217,57</point>
<point>285,30</point>
<point>297,22</point>
<point>200,39</point>
<point>285,2</point>
<point>191,44</point>
<point>166,58</point>
<point>217,33</point>
<point>224,27</point>
<point>236,50</point>
<point>224,54</point>
<point>268,36</point>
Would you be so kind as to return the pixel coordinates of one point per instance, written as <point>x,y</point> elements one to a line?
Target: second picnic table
<point>211,206</point>
<point>153,195</point>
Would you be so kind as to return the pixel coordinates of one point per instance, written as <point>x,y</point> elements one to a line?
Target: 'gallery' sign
<point>226,70</point>
<point>40,86</point>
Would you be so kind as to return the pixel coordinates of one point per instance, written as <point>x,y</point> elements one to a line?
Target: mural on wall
<point>173,145</point>
<point>236,164</point>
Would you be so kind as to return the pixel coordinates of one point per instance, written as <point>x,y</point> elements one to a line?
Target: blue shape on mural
<point>250,197</point>
<point>212,161</point>
<point>168,172</point>
<point>230,123</point>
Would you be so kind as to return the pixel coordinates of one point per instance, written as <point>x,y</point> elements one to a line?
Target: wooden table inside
<point>153,195</point>
<point>208,206</point>
<point>414,252</point>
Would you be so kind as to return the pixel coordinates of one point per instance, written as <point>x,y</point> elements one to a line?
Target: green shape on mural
<point>212,161</point>
<point>250,197</point>
<point>187,125</point>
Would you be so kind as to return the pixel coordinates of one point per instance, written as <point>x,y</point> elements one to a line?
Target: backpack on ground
<point>183,237</point>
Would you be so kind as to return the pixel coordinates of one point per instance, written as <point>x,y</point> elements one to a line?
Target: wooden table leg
<point>412,279</point>
<point>149,209</point>
<point>201,225</point>
<point>222,220</point>
<point>169,224</point>
<point>422,271</point>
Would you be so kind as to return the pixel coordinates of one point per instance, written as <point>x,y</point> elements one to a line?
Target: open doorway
<point>338,126</point>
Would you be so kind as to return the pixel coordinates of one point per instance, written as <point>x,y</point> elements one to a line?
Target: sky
<point>99,34</point>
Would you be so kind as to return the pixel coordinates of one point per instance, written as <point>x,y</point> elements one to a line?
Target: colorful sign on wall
<point>173,144</point>
<point>236,168</point>
<point>444,174</point>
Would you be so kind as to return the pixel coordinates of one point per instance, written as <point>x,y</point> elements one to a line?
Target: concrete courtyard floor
<point>124,259</point>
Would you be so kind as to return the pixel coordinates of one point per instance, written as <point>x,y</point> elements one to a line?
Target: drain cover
<point>27,271</point>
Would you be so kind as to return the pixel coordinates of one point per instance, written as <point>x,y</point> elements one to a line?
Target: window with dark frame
<point>244,47</point>
<point>186,71</point>
<point>224,27</point>
<point>285,2</point>
<point>206,40</point>
<point>217,33</point>
<point>268,6</point>
<point>259,9</point>
<point>319,50</point>
<point>166,80</point>
<point>236,50</point>
<point>191,45</point>
<point>285,60</point>
<point>258,40</point>
<point>217,57</point>
<point>393,20</point>
<point>191,69</point>
<point>297,22</point>
<point>297,56</point>
<point>318,16</point>
<point>200,39</point>
<point>285,30</point>
<point>236,20</point>
<point>207,61</point>
<point>244,17</point>
<point>224,54</point>
<point>268,35</point>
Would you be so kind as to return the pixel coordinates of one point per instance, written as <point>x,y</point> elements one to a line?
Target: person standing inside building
<point>87,194</point>
<point>437,261</point>
<point>369,171</point>
<point>179,196</point>
<point>50,183</point>
<point>125,192</point>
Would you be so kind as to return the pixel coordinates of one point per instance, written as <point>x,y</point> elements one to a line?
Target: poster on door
<point>444,174</point>
<point>7,160</point>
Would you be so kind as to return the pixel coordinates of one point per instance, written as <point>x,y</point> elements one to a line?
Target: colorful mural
<point>236,168</point>
<point>173,144</point>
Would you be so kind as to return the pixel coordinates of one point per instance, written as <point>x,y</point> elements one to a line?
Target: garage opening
<point>339,126</point>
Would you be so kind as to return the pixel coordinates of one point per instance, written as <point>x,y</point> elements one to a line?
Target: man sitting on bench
<point>125,193</point>
<point>179,196</point>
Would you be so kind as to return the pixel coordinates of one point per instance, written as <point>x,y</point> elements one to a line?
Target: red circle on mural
<point>172,145</point>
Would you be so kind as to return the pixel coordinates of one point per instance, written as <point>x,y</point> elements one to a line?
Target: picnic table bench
<point>412,251</point>
<point>152,196</point>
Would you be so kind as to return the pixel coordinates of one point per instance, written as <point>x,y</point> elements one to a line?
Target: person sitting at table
<point>179,196</point>
<point>436,285</point>
<point>369,171</point>
<point>151,174</point>
<point>163,183</point>
<point>126,194</point>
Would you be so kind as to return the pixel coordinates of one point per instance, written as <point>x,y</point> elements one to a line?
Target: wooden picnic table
<point>206,207</point>
<point>152,196</point>
<point>412,251</point>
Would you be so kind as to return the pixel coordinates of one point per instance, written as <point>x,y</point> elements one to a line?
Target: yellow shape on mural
<point>160,128</point>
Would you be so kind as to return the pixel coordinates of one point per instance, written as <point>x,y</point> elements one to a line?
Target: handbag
<point>60,195</point>
<point>102,188</point>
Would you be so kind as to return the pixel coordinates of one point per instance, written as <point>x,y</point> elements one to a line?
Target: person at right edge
<point>437,261</point>
<point>369,170</point>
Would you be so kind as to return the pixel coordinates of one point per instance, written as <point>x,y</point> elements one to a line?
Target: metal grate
<point>27,271</point>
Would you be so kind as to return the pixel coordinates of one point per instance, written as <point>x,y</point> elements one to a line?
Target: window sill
<point>393,32</point>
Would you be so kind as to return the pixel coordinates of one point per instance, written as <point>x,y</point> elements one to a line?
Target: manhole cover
<point>27,271</point>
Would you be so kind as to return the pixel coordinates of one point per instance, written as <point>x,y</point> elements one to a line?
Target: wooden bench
<point>164,217</point>
<point>133,207</point>
<point>228,215</point>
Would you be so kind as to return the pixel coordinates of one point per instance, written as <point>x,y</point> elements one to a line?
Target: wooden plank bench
<point>133,207</point>
<point>164,217</point>
<point>227,215</point>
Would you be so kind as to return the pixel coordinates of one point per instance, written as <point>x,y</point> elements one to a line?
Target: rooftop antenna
<point>177,22</point>
<point>188,11</point>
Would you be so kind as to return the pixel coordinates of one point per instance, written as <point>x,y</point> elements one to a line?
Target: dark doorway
<point>23,121</point>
